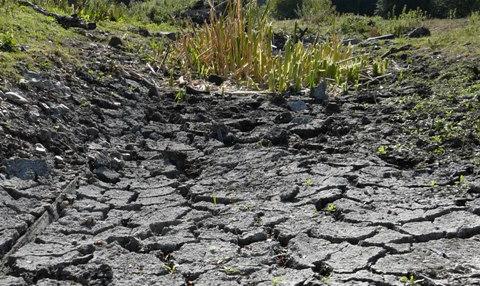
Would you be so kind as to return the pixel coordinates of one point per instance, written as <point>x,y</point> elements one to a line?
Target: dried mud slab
<point>223,190</point>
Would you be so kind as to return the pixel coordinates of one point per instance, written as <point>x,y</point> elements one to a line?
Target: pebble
<point>15,98</point>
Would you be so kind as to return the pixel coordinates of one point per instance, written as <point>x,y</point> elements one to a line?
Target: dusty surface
<point>222,189</point>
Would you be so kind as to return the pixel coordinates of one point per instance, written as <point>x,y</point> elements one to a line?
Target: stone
<point>106,175</point>
<point>297,105</point>
<point>14,97</point>
<point>419,32</point>
<point>26,169</point>
<point>39,149</point>
<point>289,194</point>
<point>319,93</point>
<point>115,42</point>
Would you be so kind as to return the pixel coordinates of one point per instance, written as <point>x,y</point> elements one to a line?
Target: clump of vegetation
<point>435,8</point>
<point>7,42</point>
<point>405,22</point>
<point>286,9</point>
<point>239,45</point>
<point>155,11</point>
<point>317,11</point>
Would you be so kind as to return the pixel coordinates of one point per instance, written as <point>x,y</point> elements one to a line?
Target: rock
<point>380,38</point>
<point>39,149</point>
<point>319,93</point>
<point>106,175</point>
<point>284,117</point>
<point>218,80</point>
<point>15,98</point>
<point>419,32</point>
<point>297,105</point>
<point>115,42</point>
<point>26,169</point>
<point>58,160</point>
<point>277,136</point>
<point>289,194</point>
<point>351,41</point>
<point>169,35</point>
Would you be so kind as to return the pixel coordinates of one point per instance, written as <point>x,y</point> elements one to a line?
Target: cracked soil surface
<point>136,189</point>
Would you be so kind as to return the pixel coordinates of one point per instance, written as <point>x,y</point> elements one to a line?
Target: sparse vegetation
<point>238,45</point>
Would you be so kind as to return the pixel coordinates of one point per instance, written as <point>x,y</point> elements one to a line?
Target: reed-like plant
<point>238,44</point>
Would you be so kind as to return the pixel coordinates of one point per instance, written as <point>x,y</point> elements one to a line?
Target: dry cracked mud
<point>134,188</point>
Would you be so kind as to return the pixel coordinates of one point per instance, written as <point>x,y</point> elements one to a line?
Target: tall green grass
<point>238,45</point>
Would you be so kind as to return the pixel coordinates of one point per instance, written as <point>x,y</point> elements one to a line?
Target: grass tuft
<point>239,45</point>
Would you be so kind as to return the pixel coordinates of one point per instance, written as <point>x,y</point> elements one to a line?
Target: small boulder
<point>319,93</point>
<point>289,194</point>
<point>297,105</point>
<point>419,32</point>
<point>15,98</point>
<point>115,42</point>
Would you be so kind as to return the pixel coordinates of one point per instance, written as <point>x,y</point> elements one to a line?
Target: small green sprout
<point>433,184</point>
<point>231,270</point>
<point>406,280</point>
<point>170,267</point>
<point>331,208</point>
<point>277,280</point>
<point>309,182</point>
<point>180,95</point>
<point>382,150</point>
<point>214,199</point>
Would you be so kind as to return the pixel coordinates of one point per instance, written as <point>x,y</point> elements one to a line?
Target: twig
<point>64,21</point>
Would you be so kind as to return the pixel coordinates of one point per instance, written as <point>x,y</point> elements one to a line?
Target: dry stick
<point>64,21</point>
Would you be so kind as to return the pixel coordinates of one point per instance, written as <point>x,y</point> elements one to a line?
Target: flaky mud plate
<point>107,182</point>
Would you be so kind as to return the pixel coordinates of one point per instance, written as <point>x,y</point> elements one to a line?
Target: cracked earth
<point>136,189</point>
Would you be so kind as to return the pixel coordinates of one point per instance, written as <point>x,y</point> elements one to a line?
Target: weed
<point>309,182</point>
<point>277,281</point>
<point>214,199</point>
<point>382,150</point>
<point>433,184</point>
<point>408,280</point>
<point>8,42</point>
<point>403,23</point>
<point>231,270</point>
<point>330,208</point>
<point>170,267</point>
<point>180,95</point>
<point>380,66</point>
<point>238,45</point>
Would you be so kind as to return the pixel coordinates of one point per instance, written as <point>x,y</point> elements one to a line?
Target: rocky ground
<point>107,180</point>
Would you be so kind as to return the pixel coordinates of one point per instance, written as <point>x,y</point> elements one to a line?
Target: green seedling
<point>382,150</point>
<point>309,182</point>
<point>277,281</point>
<point>231,270</point>
<point>331,208</point>
<point>405,280</point>
<point>180,95</point>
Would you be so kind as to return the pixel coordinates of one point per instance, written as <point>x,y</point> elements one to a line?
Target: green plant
<point>382,150</point>
<point>231,270</point>
<point>180,95</point>
<point>8,42</point>
<point>277,281</point>
<point>408,280</point>
<point>309,182</point>
<point>238,45</point>
<point>317,11</point>
<point>379,66</point>
<point>214,199</point>
<point>405,22</point>
<point>170,267</point>
<point>286,9</point>
<point>331,208</point>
